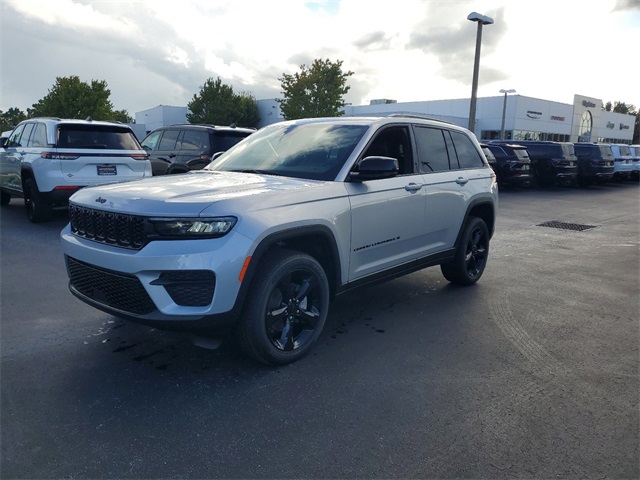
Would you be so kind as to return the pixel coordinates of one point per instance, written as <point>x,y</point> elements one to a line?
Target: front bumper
<point>169,283</point>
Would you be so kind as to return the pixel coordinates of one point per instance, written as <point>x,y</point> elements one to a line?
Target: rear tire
<point>286,308</point>
<point>38,209</point>
<point>5,197</point>
<point>471,255</point>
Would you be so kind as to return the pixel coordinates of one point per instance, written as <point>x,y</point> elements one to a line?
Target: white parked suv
<point>261,239</point>
<point>46,160</point>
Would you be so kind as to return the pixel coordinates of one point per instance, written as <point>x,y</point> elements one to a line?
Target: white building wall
<point>615,125</point>
<point>537,115</point>
<point>269,112</point>
<point>161,116</point>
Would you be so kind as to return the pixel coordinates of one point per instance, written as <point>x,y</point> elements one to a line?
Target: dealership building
<point>525,118</point>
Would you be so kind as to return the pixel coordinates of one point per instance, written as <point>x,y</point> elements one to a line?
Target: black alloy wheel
<point>286,308</point>
<point>471,255</point>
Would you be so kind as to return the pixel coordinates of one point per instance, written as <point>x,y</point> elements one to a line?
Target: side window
<point>151,142</point>
<point>39,136</point>
<point>468,155</point>
<point>24,139</point>
<point>393,142</point>
<point>432,150</point>
<point>169,140</point>
<point>14,139</point>
<point>193,140</point>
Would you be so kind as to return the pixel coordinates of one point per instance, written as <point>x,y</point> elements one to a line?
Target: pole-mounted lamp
<point>480,20</point>
<point>504,109</point>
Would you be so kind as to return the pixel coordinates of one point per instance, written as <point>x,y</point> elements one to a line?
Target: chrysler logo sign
<point>532,114</point>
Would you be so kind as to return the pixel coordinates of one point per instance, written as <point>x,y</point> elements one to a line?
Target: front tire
<point>286,308</point>
<point>471,255</point>
<point>38,209</point>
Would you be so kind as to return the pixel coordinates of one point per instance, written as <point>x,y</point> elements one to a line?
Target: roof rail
<point>417,115</point>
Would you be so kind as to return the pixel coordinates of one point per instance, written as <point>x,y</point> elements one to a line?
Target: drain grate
<point>566,226</point>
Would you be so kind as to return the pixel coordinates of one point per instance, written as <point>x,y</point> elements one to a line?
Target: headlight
<point>193,227</point>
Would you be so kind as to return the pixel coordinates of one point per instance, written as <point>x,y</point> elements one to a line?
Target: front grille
<point>188,288</point>
<point>113,289</point>
<point>110,228</point>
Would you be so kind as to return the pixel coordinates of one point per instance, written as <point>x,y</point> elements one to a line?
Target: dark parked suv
<point>595,163</point>
<point>551,162</point>
<point>511,164</point>
<point>180,148</point>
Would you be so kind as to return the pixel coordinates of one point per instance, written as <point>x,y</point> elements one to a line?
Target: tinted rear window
<point>96,136</point>
<point>223,141</point>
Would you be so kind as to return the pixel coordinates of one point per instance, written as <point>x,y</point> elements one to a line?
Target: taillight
<point>204,156</point>
<point>60,156</point>
<point>66,187</point>
<point>140,156</point>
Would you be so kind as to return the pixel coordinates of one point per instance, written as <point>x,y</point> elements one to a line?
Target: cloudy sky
<point>159,52</point>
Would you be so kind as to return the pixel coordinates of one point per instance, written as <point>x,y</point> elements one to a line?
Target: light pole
<point>480,20</point>
<point>504,109</point>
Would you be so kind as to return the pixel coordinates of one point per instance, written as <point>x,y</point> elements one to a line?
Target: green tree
<point>11,118</point>
<point>121,116</point>
<point>315,91</point>
<point>72,98</point>
<point>219,105</point>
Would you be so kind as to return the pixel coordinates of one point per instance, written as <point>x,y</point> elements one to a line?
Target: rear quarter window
<point>468,155</point>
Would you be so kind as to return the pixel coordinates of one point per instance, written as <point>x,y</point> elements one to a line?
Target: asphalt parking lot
<point>531,373</point>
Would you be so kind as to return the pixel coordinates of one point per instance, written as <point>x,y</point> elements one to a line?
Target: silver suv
<point>261,239</point>
<point>46,160</point>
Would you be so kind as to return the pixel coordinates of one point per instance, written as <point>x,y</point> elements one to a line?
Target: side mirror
<point>216,155</point>
<point>3,142</point>
<point>375,168</point>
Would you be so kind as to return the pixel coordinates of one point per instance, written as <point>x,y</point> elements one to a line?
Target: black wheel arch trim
<point>285,239</point>
<point>481,203</point>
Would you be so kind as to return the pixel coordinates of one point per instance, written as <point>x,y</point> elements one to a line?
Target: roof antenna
<point>89,119</point>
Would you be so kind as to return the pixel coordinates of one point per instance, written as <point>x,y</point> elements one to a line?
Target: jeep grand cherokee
<point>261,239</point>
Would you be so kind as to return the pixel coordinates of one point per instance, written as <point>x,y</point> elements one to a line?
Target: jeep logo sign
<point>101,200</point>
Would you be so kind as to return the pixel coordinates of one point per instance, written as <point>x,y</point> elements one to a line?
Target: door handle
<point>462,181</point>
<point>412,187</point>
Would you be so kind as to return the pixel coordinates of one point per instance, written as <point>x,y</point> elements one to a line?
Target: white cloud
<point>151,52</point>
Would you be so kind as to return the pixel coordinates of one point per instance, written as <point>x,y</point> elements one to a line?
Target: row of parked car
<point>523,163</point>
<point>46,160</point>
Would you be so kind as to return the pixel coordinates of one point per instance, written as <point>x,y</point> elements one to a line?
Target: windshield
<point>605,152</point>
<point>569,151</point>
<point>316,151</point>
<point>521,154</point>
<point>625,151</point>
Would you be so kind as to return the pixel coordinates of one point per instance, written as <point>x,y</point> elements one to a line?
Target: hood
<point>187,194</point>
